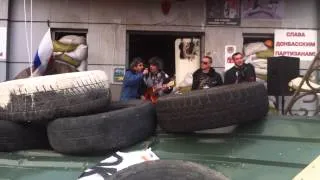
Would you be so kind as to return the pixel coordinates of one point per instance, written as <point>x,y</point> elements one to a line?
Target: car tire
<point>124,125</point>
<point>167,170</point>
<point>212,108</point>
<point>22,136</point>
<point>44,98</point>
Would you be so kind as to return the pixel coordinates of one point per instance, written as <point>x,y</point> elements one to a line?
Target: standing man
<point>156,80</point>
<point>206,77</point>
<point>240,72</point>
<point>132,80</point>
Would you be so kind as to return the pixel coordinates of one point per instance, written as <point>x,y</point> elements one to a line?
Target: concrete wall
<point>108,20</point>
<point>4,8</point>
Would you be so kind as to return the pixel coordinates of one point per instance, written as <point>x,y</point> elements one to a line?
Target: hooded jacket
<point>203,80</point>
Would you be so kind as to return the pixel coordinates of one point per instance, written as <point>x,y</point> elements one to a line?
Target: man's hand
<point>145,71</point>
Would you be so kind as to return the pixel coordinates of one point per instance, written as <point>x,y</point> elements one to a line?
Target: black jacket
<point>210,79</point>
<point>235,75</point>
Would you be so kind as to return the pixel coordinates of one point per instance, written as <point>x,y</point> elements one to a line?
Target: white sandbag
<point>83,66</point>
<point>260,71</point>
<point>80,53</point>
<point>73,39</point>
<point>187,81</point>
<point>264,61</point>
<point>250,58</point>
<point>55,54</point>
<point>261,63</point>
<point>252,48</point>
<point>67,59</point>
<point>294,83</point>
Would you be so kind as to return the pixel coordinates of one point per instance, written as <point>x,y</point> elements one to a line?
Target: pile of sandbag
<point>71,50</point>
<point>257,53</point>
<point>69,55</point>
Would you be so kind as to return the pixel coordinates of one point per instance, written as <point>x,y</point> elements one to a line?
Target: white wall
<point>108,20</point>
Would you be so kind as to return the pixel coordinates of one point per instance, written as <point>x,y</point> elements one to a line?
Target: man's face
<point>153,68</point>
<point>238,60</point>
<point>139,67</point>
<point>205,63</point>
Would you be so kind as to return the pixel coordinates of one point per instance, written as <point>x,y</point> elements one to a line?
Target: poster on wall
<point>118,74</point>
<point>296,43</point>
<point>3,43</point>
<point>229,50</point>
<point>187,60</point>
<point>223,12</point>
<point>262,9</point>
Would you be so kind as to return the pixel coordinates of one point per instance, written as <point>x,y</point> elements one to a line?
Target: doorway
<point>147,44</point>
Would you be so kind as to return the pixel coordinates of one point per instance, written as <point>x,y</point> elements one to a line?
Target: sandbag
<point>294,83</point>
<point>67,59</point>
<point>265,54</point>
<point>73,39</point>
<point>187,81</point>
<point>252,48</point>
<point>260,63</point>
<point>83,65</point>
<point>268,43</point>
<point>58,67</point>
<point>62,47</point>
<point>79,54</point>
<point>261,71</point>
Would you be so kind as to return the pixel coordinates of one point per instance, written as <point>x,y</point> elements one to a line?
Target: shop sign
<point>223,12</point>
<point>296,43</point>
<point>3,43</point>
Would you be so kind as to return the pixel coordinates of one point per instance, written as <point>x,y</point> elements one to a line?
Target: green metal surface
<point>275,148</point>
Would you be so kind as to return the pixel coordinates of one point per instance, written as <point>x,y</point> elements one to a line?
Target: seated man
<point>132,80</point>
<point>240,72</point>
<point>156,80</point>
<point>206,77</point>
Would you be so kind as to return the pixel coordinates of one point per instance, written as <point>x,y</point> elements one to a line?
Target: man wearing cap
<point>206,77</point>
<point>240,72</point>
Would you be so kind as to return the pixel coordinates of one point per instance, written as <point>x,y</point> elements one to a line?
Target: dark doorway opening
<point>162,44</point>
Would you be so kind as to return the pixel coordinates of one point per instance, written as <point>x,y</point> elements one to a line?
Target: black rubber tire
<point>212,108</point>
<point>167,170</point>
<point>22,136</point>
<point>105,132</point>
<point>45,98</point>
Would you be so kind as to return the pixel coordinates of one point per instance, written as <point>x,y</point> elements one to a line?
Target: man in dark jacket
<point>157,78</point>
<point>240,72</point>
<point>132,80</point>
<point>206,76</point>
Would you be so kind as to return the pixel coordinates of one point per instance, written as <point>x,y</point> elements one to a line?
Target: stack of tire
<point>72,113</point>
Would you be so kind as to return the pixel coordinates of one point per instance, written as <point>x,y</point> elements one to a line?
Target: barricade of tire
<point>26,105</point>
<point>212,108</point>
<point>123,126</point>
<point>44,98</point>
<point>167,170</point>
<point>22,136</point>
